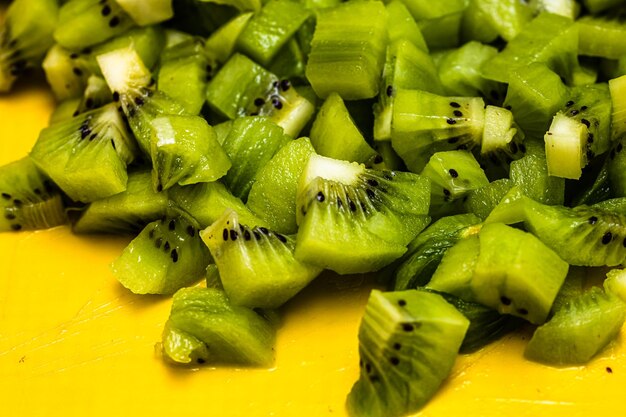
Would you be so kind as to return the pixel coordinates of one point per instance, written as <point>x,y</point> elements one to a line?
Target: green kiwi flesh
<point>579,330</point>
<point>28,199</point>
<point>503,268</point>
<point>167,255</point>
<point>256,265</point>
<point>352,219</point>
<point>408,343</point>
<point>205,327</point>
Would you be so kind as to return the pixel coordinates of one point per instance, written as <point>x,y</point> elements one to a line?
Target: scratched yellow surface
<point>75,343</point>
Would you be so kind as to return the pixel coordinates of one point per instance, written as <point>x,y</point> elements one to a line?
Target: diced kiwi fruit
<point>459,71</point>
<point>585,236</point>
<point>616,169</point>
<point>270,29</point>
<point>406,67</point>
<point>147,12</point>
<point>126,212</point>
<point>84,23</point>
<point>503,268</point>
<point>452,174</point>
<point>548,38</point>
<point>530,174</point>
<point>348,50</point>
<point>504,18</point>
<point>426,250</point>
<point>482,201</point>
<point>221,44</point>
<point>440,23</point>
<point>206,202</point>
<point>423,123</point>
<point>486,324</point>
<point>579,330</point>
<point>86,156</point>
<point>408,343</point>
<point>28,199</point>
<point>242,87</point>
<point>96,94</point>
<point>617,89</point>
<point>502,139</point>
<point>402,25</point>
<point>615,283</point>
<point>201,18</point>
<point>257,266</point>
<point>272,197</point>
<point>185,151</point>
<point>289,62</point>
<point>184,72</point>
<point>250,144</point>
<point>335,135</point>
<point>602,36</point>
<point>25,36</point>
<point>167,255</point>
<point>573,286</point>
<point>205,327</point>
<point>352,219</point>
<point>534,95</point>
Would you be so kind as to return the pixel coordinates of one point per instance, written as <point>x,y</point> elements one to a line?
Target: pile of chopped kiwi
<point>467,154</point>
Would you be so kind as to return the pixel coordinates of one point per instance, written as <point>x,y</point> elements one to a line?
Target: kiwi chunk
<point>348,50</point>
<point>256,265</point>
<point>204,327</point>
<point>503,268</point>
<point>483,200</point>
<point>147,12</point>
<point>221,44</point>
<point>185,151</point>
<point>426,251</point>
<point>28,199</point>
<point>352,219</point>
<point>602,36</point>
<point>126,212</point>
<point>84,23</point>
<point>25,36</point>
<point>87,155</point>
<point>207,201</point>
<point>402,25</point>
<point>579,330</point>
<point>584,235</point>
<point>273,195</point>
<point>408,343</point>
<point>617,89</point>
<point>486,18</point>
<point>335,135</point>
<point>423,123</point>
<point>167,255</point>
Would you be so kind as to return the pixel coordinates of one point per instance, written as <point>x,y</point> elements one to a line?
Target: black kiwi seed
<point>172,225</point>
<point>455,104</point>
<point>339,203</point>
<point>89,103</point>
<point>166,247</point>
<point>37,191</point>
<point>583,108</point>
<point>280,237</point>
<point>9,216</point>
<point>407,327</point>
<point>174,255</point>
<point>370,193</point>
<point>401,303</point>
<point>352,205</point>
<point>397,346</point>
<point>612,154</point>
<point>451,121</point>
<point>522,148</point>
<point>151,234</point>
<point>77,71</point>
<point>509,108</point>
<point>446,192</point>
<point>257,236</point>
<point>16,227</point>
<point>522,311</point>
<point>158,242</point>
<point>139,101</point>
<point>233,234</point>
<point>453,140</point>
<point>378,159</point>
<point>368,368</point>
<point>609,370</point>
<point>259,102</point>
<point>264,230</point>
<point>284,85</point>
<point>619,148</point>
<point>593,220</point>
<point>246,235</point>
<point>505,300</point>
<point>159,188</point>
<point>569,103</point>
<point>106,10</point>
<point>590,138</point>
<point>17,202</point>
<point>394,361</point>
<point>606,238</point>
<point>320,197</point>
<point>191,231</point>
<point>585,122</point>
<point>225,234</point>
<point>624,242</point>
<point>458,113</point>
<point>200,361</point>
<point>453,173</point>
<point>462,147</point>
<point>573,112</point>
<point>389,91</point>
<point>116,96</point>
<point>6,196</point>
<point>112,141</point>
<point>114,21</point>
<point>372,182</point>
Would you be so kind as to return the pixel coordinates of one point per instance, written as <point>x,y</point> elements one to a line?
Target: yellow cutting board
<point>73,342</point>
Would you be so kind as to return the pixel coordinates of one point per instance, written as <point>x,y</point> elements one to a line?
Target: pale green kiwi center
<point>123,69</point>
<point>343,172</point>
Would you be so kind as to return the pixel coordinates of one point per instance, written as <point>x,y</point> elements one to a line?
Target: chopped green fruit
<point>348,50</point>
<point>530,174</point>
<point>602,36</point>
<point>505,18</point>
<point>204,327</point>
<point>257,265</point>
<point>482,201</point>
<point>147,12</point>
<point>566,147</point>
<point>617,88</point>
<point>221,44</point>
<point>401,25</point>
<point>166,256</point>
<point>408,343</point>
